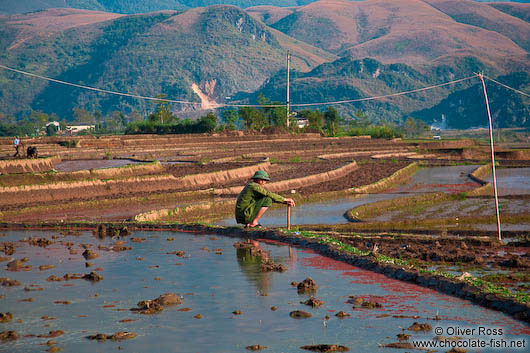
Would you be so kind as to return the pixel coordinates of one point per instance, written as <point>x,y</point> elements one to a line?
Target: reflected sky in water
<point>214,280</point>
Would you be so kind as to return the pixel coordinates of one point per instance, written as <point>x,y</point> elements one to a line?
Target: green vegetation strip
<point>484,286</point>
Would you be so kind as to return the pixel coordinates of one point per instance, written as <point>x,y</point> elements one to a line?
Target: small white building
<point>54,123</point>
<point>301,122</point>
<point>74,129</point>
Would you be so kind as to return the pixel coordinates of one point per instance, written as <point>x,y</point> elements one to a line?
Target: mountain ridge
<point>223,52</point>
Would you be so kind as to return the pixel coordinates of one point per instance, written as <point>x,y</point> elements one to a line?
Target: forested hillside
<point>221,54</point>
<point>133,6</point>
<point>466,108</point>
<point>220,49</point>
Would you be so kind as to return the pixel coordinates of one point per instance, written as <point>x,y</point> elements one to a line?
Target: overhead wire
<point>221,105</point>
<point>96,89</point>
<point>506,86</point>
<point>386,95</point>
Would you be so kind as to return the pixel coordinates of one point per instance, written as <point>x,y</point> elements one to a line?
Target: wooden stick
<point>289,217</point>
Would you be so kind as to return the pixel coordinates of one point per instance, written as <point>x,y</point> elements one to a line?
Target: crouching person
<point>254,200</point>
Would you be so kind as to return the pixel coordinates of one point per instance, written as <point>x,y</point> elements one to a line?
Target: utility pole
<point>492,148</point>
<point>288,103</point>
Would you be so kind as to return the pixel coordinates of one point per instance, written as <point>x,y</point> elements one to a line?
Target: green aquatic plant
<point>485,286</point>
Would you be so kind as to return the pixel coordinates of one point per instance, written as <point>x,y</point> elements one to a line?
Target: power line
<point>255,105</point>
<point>95,89</point>
<point>387,95</point>
<point>505,86</point>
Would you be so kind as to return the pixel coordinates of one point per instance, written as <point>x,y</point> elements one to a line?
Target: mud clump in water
<point>6,317</point>
<point>52,334</point>
<point>8,336</point>
<point>420,327</point>
<point>401,345</point>
<point>111,231</point>
<point>253,250</point>
<point>46,267</point>
<point>93,277</point>
<point>8,248</point>
<point>118,246</point>
<point>457,350</point>
<point>53,349</point>
<point>307,286</point>
<point>270,266</point>
<point>355,300</point>
<point>371,305</point>
<point>403,336</point>
<point>313,302</point>
<point>179,253</point>
<point>89,255</point>
<point>342,314</point>
<point>6,282</point>
<point>65,302</point>
<point>54,278</point>
<point>18,265</point>
<point>156,305</point>
<point>147,307</point>
<point>42,242</point>
<point>256,347</point>
<point>118,336</point>
<point>71,276</point>
<point>325,348</point>
<point>124,335</point>
<point>169,299</point>
<point>299,314</point>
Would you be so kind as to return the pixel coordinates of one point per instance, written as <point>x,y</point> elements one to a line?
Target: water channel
<point>454,179</point>
<point>332,212</point>
<point>215,279</point>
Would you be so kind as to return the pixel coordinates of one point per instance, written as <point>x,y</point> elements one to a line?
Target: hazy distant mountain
<point>218,49</point>
<point>341,50</point>
<point>133,6</point>
<point>409,31</point>
<point>514,9</point>
<point>143,6</point>
<point>466,108</point>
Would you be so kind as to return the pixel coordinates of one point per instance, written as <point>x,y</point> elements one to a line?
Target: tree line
<point>265,117</point>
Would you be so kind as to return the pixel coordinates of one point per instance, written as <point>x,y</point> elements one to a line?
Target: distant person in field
<point>254,200</point>
<point>16,144</point>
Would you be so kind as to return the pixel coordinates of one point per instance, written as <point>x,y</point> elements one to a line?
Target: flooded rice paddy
<point>512,181</point>
<point>448,179</point>
<point>214,281</point>
<point>85,164</point>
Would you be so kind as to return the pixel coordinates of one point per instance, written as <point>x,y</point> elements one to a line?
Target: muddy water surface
<point>215,280</point>
<point>512,181</point>
<point>85,164</point>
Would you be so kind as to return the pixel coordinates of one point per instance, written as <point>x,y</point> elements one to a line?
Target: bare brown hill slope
<point>270,14</point>
<point>54,20</point>
<point>518,10</point>
<point>48,22</point>
<point>218,49</point>
<point>409,31</point>
<point>487,17</point>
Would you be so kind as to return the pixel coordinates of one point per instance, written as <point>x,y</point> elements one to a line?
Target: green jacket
<point>251,194</point>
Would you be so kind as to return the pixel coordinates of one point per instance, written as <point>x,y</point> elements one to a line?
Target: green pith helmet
<point>261,174</point>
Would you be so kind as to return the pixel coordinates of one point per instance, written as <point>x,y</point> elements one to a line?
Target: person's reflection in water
<point>250,256</point>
